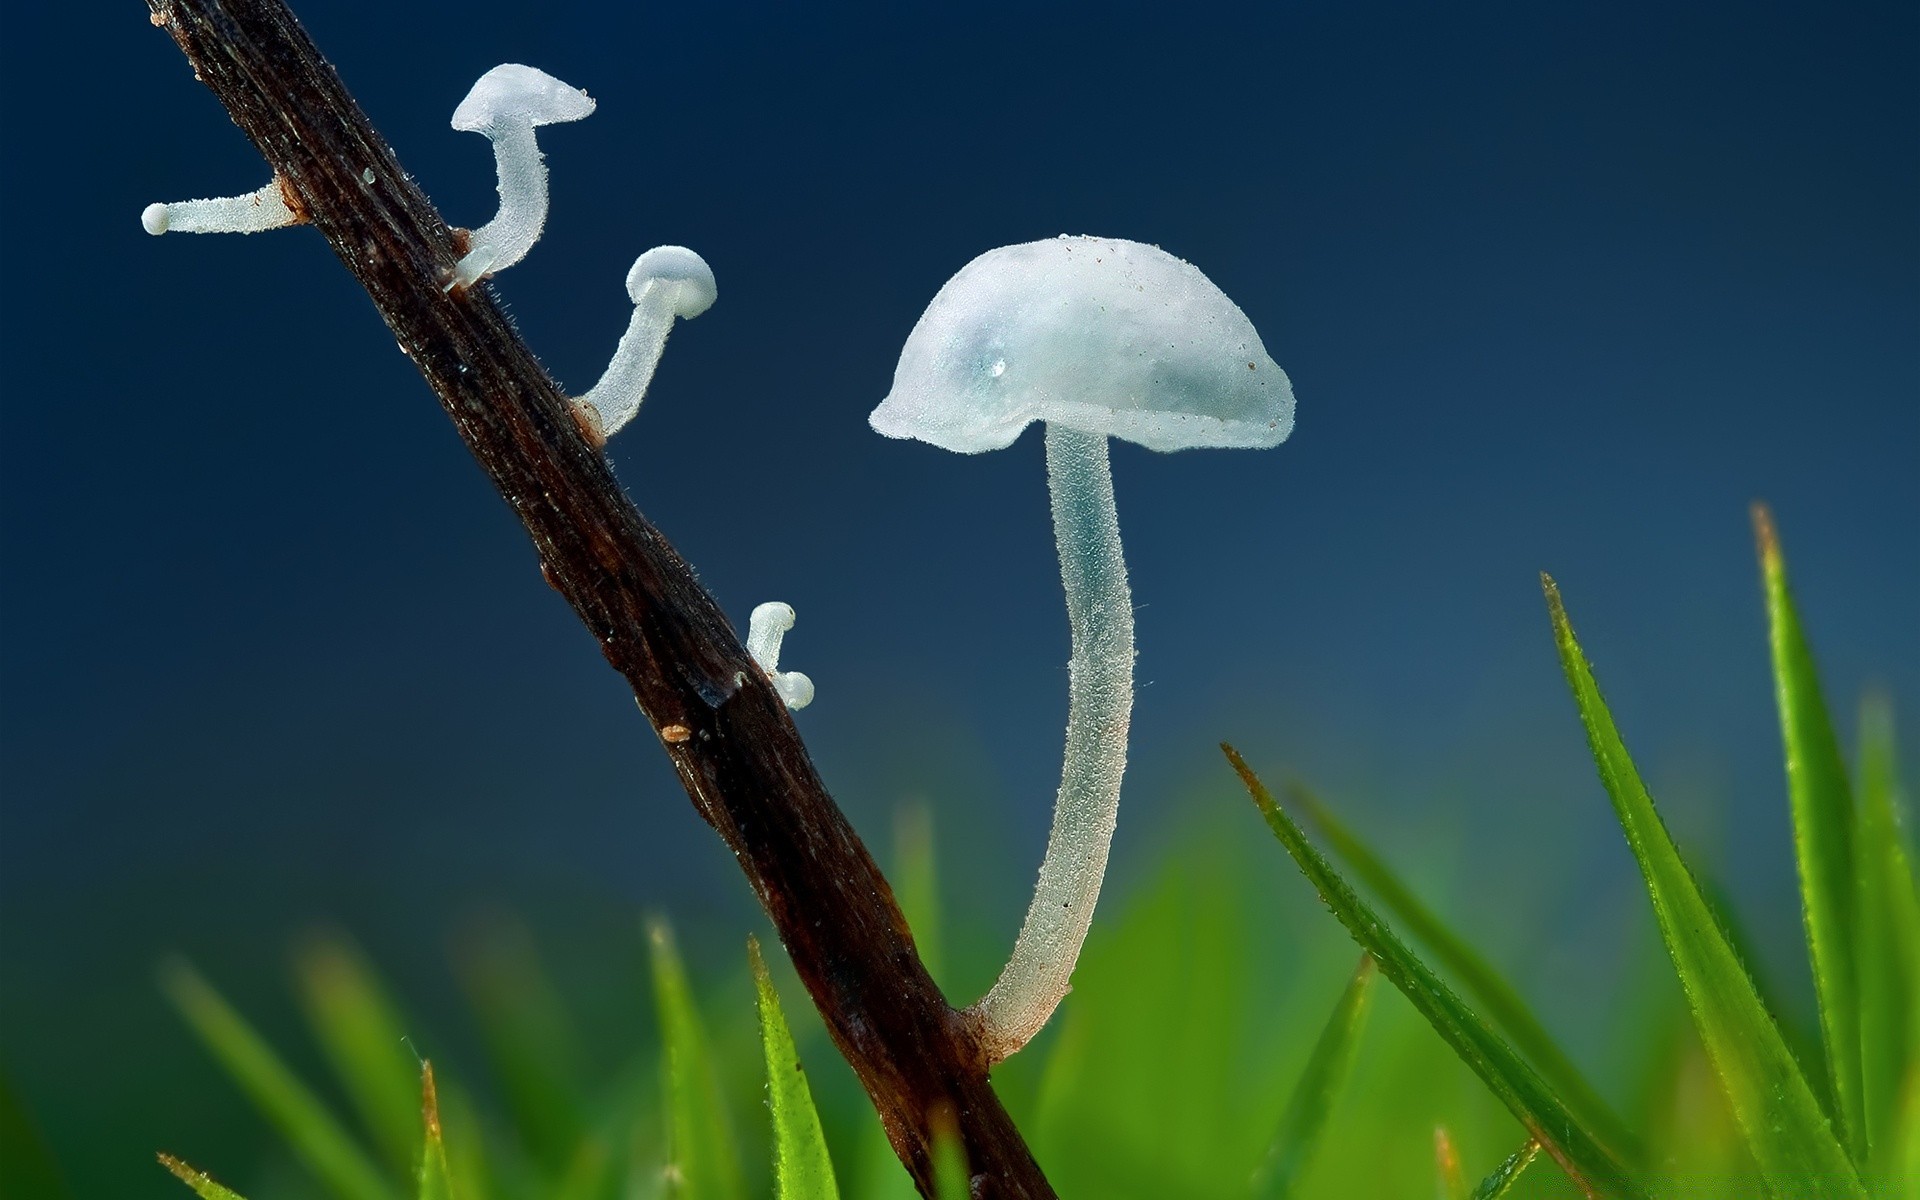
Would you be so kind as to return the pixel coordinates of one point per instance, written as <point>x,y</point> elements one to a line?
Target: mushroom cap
<point>518,94</point>
<point>1099,334</point>
<point>686,276</point>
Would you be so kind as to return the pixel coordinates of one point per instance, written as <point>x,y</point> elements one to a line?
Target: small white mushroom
<point>256,211</point>
<point>1098,338</point>
<point>766,628</point>
<point>665,282</point>
<point>506,105</point>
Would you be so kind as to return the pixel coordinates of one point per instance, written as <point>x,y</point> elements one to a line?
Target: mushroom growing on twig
<point>1097,338</point>
<point>255,212</point>
<point>664,283</point>
<point>766,628</point>
<point>506,105</point>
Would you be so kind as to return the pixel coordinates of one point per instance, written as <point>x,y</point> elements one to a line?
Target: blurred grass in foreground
<point>1192,1060</point>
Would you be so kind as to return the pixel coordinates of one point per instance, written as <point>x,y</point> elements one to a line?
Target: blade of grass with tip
<point>361,1035</point>
<point>703,1149</point>
<point>313,1132</point>
<point>1508,1173</point>
<point>1784,1124</point>
<point>1822,808</point>
<point>1887,936</point>
<point>802,1169</point>
<point>1503,1006</point>
<point>1321,1081</point>
<point>1576,1148</point>
<point>435,1179</point>
<point>530,1040</point>
<point>203,1184</point>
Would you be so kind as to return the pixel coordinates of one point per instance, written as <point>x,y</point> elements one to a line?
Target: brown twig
<point>728,734</point>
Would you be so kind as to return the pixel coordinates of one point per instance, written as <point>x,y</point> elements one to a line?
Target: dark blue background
<point>1559,287</point>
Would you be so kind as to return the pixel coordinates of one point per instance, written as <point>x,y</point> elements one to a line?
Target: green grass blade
<point>1544,1115</point>
<point>435,1178</point>
<point>315,1135</point>
<point>469,1170</point>
<point>30,1168</point>
<point>917,882</point>
<point>703,1149</point>
<point>1476,976</point>
<point>1802,1037</point>
<point>1822,836</point>
<point>802,1168</point>
<point>1906,1147</point>
<point>1190,990</point>
<point>530,1041</point>
<point>587,1175</point>
<point>203,1184</point>
<point>361,1034</point>
<point>1784,1124</point>
<point>1507,1173</point>
<point>952,1178</point>
<point>1321,1082</point>
<point>1887,936</point>
<point>1446,1161</point>
<point>875,1171</point>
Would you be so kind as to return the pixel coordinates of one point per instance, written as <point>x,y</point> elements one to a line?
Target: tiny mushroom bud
<point>665,282</point>
<point>259,210</point>
<point>506,105</point>
<point>1097,338</point>
<point>766,628</point>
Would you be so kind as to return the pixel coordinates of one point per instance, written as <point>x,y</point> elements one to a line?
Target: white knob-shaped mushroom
<point>1098,338</point>
<point>665,282</point>
<point>254,212</point>
<point>506,105</point>
<point>766,629</point>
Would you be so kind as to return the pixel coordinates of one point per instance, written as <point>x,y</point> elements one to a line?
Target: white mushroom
<point>252,213</point>
<point>507,104</point>
<point>766,628</point>
<point>1098,338</point>
<point>665,282</point>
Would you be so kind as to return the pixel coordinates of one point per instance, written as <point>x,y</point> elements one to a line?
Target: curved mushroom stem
<point>505,240</point>
<point>1100,690</point>
<point>664,283</point>
<point>614,400</point>
<point>766,629</point>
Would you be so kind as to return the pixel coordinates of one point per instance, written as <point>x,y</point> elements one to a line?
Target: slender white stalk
<point>1100,691</point>
<point>252,213</point>
<point>666,282</point>
<point>505,106</point>
<point>766,629</point>
<point>522,172</point>
<point>616,397</point>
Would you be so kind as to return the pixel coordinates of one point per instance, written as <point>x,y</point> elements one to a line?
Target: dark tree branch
<point>728,734</point>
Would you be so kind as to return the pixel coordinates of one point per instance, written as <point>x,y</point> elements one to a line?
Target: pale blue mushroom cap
<point>515,94</point>
<point>1099,334</point>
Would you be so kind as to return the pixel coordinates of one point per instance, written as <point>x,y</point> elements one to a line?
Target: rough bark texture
<point>729,736</point>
